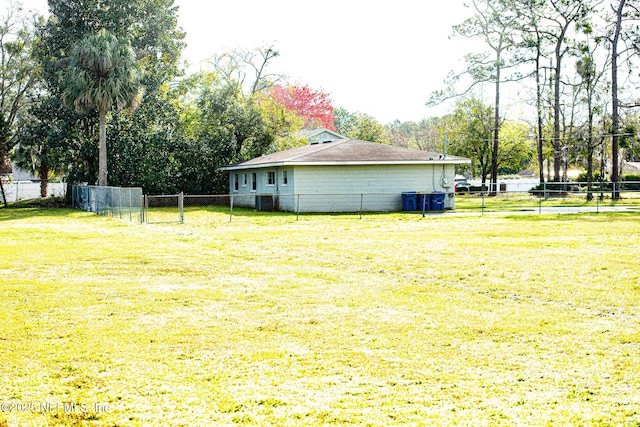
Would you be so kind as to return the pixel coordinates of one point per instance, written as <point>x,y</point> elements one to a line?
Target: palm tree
<point>34,140</point>
<point>102,74</point>
<point>34,157</point>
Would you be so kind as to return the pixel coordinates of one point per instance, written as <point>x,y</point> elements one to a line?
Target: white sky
<point>381,58</point>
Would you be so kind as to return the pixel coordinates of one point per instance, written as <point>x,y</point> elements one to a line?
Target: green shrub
<point>49,202</point>
<point>630,177</point>
<point>630,182</point>
<point>552,187</point>
<point>582,178</point>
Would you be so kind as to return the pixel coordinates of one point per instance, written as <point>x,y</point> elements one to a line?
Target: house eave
<point>445,161</point>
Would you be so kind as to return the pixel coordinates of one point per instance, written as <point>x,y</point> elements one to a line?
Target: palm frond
<point>102,73</point>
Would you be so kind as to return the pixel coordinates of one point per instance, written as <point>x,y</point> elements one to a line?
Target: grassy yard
<point>393,319</point>
<point>526,202</point>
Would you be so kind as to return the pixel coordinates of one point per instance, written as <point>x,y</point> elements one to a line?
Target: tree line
<point>576,59</point>
<point>98,93</point>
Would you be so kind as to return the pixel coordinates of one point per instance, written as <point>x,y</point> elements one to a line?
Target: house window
<point>271,178</point>
<point>254,181</point>
<point>285,178</point>
<point>235,182</point>
<point>244,179</point>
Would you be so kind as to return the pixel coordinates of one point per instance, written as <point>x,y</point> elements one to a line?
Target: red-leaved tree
<point>313,106</point>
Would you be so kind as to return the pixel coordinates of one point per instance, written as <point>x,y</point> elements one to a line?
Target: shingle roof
<point>347,151</point>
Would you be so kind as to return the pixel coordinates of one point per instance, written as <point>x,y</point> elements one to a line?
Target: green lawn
<point>505,202</point>
<point>392,319</point>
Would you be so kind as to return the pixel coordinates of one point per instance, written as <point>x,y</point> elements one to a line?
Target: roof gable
<point>318,136</point>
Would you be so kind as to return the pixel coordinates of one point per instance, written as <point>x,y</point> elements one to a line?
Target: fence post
<point>99,199</point>
<point>231,208</point>
<point>298,207</point>
<point>539,205</point>
<point>145,215</point>
<point>361,201</point>
<point>141,215</point>
<point>482,203</point>
<point>96,199</point>
<point>181,206</point>
<point>424,204</point>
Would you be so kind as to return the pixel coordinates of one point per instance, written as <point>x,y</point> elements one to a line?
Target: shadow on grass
<point>576,216</point>
<point>240,212</point>
<point>256,214</point>
<point>47,202</point>
<point>51,206</point>
<point>13,214</point>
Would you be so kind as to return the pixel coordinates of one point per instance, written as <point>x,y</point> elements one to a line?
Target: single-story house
<point>23,175</point>
<point>527,173</point>
<point>631,168</point>
<point>345,175</point>
<point>10,172</point>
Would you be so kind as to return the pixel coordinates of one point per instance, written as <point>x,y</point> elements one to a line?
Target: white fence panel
<point>25,190</point>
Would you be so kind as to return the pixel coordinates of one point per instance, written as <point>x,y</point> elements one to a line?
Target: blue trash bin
<point>409,201</point>
<point>424,201</point>
<point>437,201</point>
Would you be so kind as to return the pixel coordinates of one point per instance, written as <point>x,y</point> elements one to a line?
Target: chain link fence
<point>164,208</point>
<point>549,198</point>
<point>131,204</point>
<point>552,197</point>
<point>118,202</point>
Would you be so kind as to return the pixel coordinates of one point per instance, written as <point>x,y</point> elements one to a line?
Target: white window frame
<point>254,182</point>
<point>236,182</point>
<point>271,178</point>
<point>285,178</point>
<point>244,179</point>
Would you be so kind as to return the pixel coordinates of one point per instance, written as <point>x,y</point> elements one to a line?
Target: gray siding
<point>343,188</point>
<point>374,188</point>
<point>245,196</point>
